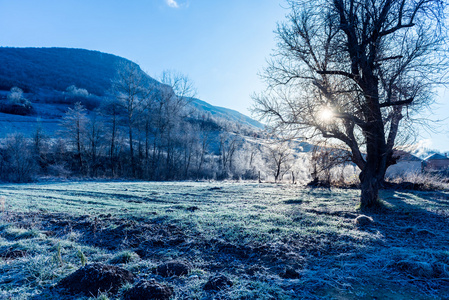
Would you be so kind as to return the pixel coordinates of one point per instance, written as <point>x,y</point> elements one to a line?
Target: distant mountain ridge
<point>226,112</point>
<point>56,69</point>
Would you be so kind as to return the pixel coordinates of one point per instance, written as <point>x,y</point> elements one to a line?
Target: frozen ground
<point>272,241</point>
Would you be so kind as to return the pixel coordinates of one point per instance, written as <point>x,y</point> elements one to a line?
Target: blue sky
<point>221,45</point>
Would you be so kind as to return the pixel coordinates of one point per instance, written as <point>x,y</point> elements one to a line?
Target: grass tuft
<point>13,233</point>
<point>124,257</point>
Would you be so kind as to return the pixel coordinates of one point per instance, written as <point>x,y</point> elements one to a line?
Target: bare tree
<point>182,86</point>
<point>228,145</point>
<point>40,145</point>
<point>74,123</point>
<point>351,71</point>
<point>95,138</point>
<point>280,158</point>
<point>324,159</point>
<point>169,114</point>
<point>131,87</point>
<point>113,112</point>
<point>206,135</point>
<point>20,162</point>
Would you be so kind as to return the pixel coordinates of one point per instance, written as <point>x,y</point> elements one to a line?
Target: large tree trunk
<point>131,151</point>
<point>372,175</point>
<point>370,185</point>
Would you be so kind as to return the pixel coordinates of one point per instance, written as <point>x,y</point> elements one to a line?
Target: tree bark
<point>131,151</point>
<point>369,185</point>
<point>372,175</point>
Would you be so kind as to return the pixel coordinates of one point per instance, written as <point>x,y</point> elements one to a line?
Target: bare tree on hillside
<point>324,159</point>
<point>206,137</point>
<point>353,72</point>
<point>170,104</point>
<point>95,137</point>
<point>113,112</point>
<point>74,123</point>
<point>130,88</point>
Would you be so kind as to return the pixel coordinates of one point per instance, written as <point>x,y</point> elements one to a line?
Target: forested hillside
<point>74,112</point>
<point>33,69</point>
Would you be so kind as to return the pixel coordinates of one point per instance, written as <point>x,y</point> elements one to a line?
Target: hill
<point>226,113</point>
<point>44,73</point>
<point>34,69</point>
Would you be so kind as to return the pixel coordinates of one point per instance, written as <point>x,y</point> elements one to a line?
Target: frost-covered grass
<point>250,232</point>
<point>230,210</point>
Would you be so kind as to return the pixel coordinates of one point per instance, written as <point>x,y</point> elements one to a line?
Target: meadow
<point>273,241</point>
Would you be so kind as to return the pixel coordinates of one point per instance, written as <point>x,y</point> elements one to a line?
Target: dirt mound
<point>217,283</point>
<point>12,253</point>
<point>95,278</point>
<point>289,273</point>
<point>192,208</point>
<point>416,268</point>
<point>222,246</point>
<point>148,290</point>
<point>173,268</point>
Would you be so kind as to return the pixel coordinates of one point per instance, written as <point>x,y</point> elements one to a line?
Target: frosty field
<point>272,241</point>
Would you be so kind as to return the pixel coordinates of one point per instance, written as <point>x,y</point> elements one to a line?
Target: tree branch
<point>403,102</point>
<point>342,73</point>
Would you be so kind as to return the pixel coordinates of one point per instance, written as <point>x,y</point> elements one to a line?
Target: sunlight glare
<point>326,115</point>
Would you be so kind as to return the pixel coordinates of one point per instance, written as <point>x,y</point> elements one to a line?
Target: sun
<point>326,115</point>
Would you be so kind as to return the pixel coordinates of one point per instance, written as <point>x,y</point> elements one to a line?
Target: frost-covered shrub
<point>74,95</point>
<point>423,181</point>
<point>18,163</point>
<point>16,103</point>
<point>77,92</point>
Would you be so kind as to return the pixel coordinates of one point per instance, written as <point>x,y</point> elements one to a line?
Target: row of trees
<point>86,152</point>
<point>24,159</point>
<point>147,131</point>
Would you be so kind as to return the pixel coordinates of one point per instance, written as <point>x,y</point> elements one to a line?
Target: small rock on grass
<point>95,278</point>
<point>363,220</point>
<point>218,283</point>
<point>148,290</point>
<point>173,268</point>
